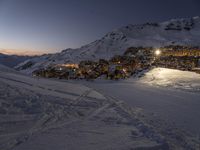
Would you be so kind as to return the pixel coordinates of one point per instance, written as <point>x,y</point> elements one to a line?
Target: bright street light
<point>157,52</point>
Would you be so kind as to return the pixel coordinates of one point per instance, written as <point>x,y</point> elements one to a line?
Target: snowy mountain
<point>12,60</point>
<point>172,32</point>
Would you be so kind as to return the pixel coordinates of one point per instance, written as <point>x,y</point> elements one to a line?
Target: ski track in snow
<point>47,114</point>
<point>33,111</point>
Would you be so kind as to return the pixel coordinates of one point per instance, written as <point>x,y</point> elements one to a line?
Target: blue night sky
<point>53,25</point>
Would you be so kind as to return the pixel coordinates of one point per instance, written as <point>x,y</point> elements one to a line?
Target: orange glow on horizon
<point>20,52</point>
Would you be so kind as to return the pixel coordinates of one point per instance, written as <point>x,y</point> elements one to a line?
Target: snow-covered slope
<point>42,114</point>
<point>176,31</point>
<point>170,95</point>
<point>12,60</point>
<point>6,69</point>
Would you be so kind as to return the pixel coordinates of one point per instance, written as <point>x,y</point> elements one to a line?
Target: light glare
<point>157,52</point>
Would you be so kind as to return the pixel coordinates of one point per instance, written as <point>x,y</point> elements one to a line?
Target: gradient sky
<point>53,25</point>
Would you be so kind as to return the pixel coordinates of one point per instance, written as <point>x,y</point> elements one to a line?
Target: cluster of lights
<point>69,65</point>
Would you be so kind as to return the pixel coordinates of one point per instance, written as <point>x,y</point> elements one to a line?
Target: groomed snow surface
<point>44,114</point>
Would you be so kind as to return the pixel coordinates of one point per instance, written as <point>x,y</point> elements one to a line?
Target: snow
<point>6,69</point>
<point>151,112</point>
<point>171,78</point>
<point>171,94</point>
<point>47,114</point>
<point>168,100</point>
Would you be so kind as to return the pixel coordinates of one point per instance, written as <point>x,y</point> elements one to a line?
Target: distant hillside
<point>172,32</point>
<point>12,60</point>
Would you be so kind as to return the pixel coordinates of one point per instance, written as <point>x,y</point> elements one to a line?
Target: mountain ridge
<point>185,31</point>
<point>12,60</point>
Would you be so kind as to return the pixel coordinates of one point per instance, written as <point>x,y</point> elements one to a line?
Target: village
<point>133,61</point>
<point>179,57</point>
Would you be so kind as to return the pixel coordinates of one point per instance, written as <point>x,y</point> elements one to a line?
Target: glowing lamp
<point>157,52</point>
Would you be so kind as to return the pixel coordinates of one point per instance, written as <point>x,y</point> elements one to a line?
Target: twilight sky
<point>41,26</point>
